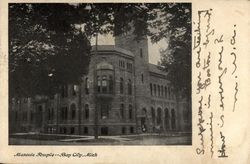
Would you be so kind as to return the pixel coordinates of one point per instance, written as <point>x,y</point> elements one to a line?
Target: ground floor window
<point>131,129</point>
<point>104,131</point>
<point>72,130</point>
<point>123,130</point>
<point>159,115</point>
<point>173,119</point>
<point>63,130</point>
<point>85,130</point>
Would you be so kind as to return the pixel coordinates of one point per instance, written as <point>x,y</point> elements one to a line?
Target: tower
<point>141,74</point>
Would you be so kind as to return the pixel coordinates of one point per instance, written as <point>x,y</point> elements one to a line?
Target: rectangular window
<point>104,84</point>
<point>86,86</point>
<point>74,89</point>
<point>154,89</point>
<point>151,89</point>
<point>122,111</point>
<point>131,130</point>
<point>123,130</point>
<point>72,130</point>
<point>104,131</point>
<point>141,53</point>
<point>65,88</point>
<point>130,112</point>
<point>85,130</point>
<point>104,111</point>
<point>52,113</point>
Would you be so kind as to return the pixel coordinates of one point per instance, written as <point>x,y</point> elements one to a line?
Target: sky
<point>154,49</point>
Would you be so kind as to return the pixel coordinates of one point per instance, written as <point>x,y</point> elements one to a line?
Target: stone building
<point>122,94</point>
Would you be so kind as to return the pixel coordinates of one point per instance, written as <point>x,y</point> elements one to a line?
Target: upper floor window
<point>154,89</point>
<point>104,110</point>
<point>169,94</point>
<point>111,84</point>
<point>74,89</point>
<point>122,111</point>
<point>121,85</point>
<point>129,87</point>
<point>130,111</point>
<point>64,91</point>
<point>98,84</point>
<point>141,53</point>
<point>159,90</point>
<point>151,89</point>
<point>64,113</point>
<point>142,78</point>
<point>104,84</point>
<point>87,85</point>
<point>121,64</point>
<point>73,111</point>
<point>166,91</point>
<point>50,113</point>
<point>129,67</point>
<point>186,113</point>
<point>86,111</point>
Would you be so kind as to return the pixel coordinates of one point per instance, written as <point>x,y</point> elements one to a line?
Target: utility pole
<point>95,98</point>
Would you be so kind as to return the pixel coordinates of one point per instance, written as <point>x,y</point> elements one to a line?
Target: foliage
<point>45,49</point>
<point>174,25</point>
<point>48,48</point>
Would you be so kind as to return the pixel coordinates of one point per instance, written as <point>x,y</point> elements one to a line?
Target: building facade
<point>121,94</point>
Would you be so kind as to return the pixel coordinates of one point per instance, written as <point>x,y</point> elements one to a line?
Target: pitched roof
<point>157,69</point>
<point>112,48</point>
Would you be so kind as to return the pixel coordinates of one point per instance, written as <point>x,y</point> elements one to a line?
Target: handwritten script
<point>215,56</point>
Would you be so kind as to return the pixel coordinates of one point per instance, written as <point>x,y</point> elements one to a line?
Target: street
<point>152,139</point>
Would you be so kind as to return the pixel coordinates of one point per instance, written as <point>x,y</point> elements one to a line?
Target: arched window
<point>155,90</point>
<point>64,113</point>
<point>73,111</point>
<point>86,111</point>
<point>159,116</point>
<point>173,119</point>
<point>122,111</point>
<point>169,94</point>
<point>104,84</point>
<point>52,113</point>
<point>64,91</point>
<point>153,115</point>
<point>87,85</point>
<point>166,119</point>
<point>74,89</point>
<point>98,84</point>
<point>151,89</point>
<point>159,90</point>
<point>144,112</point>
<point>121,85</point>
<point>110,84</point>
<point>130,111</point>
<point>185,114</point>
<point>49,114</point>
<point>172,93</point>
<point>166,92</point>
<point>129,87</point>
